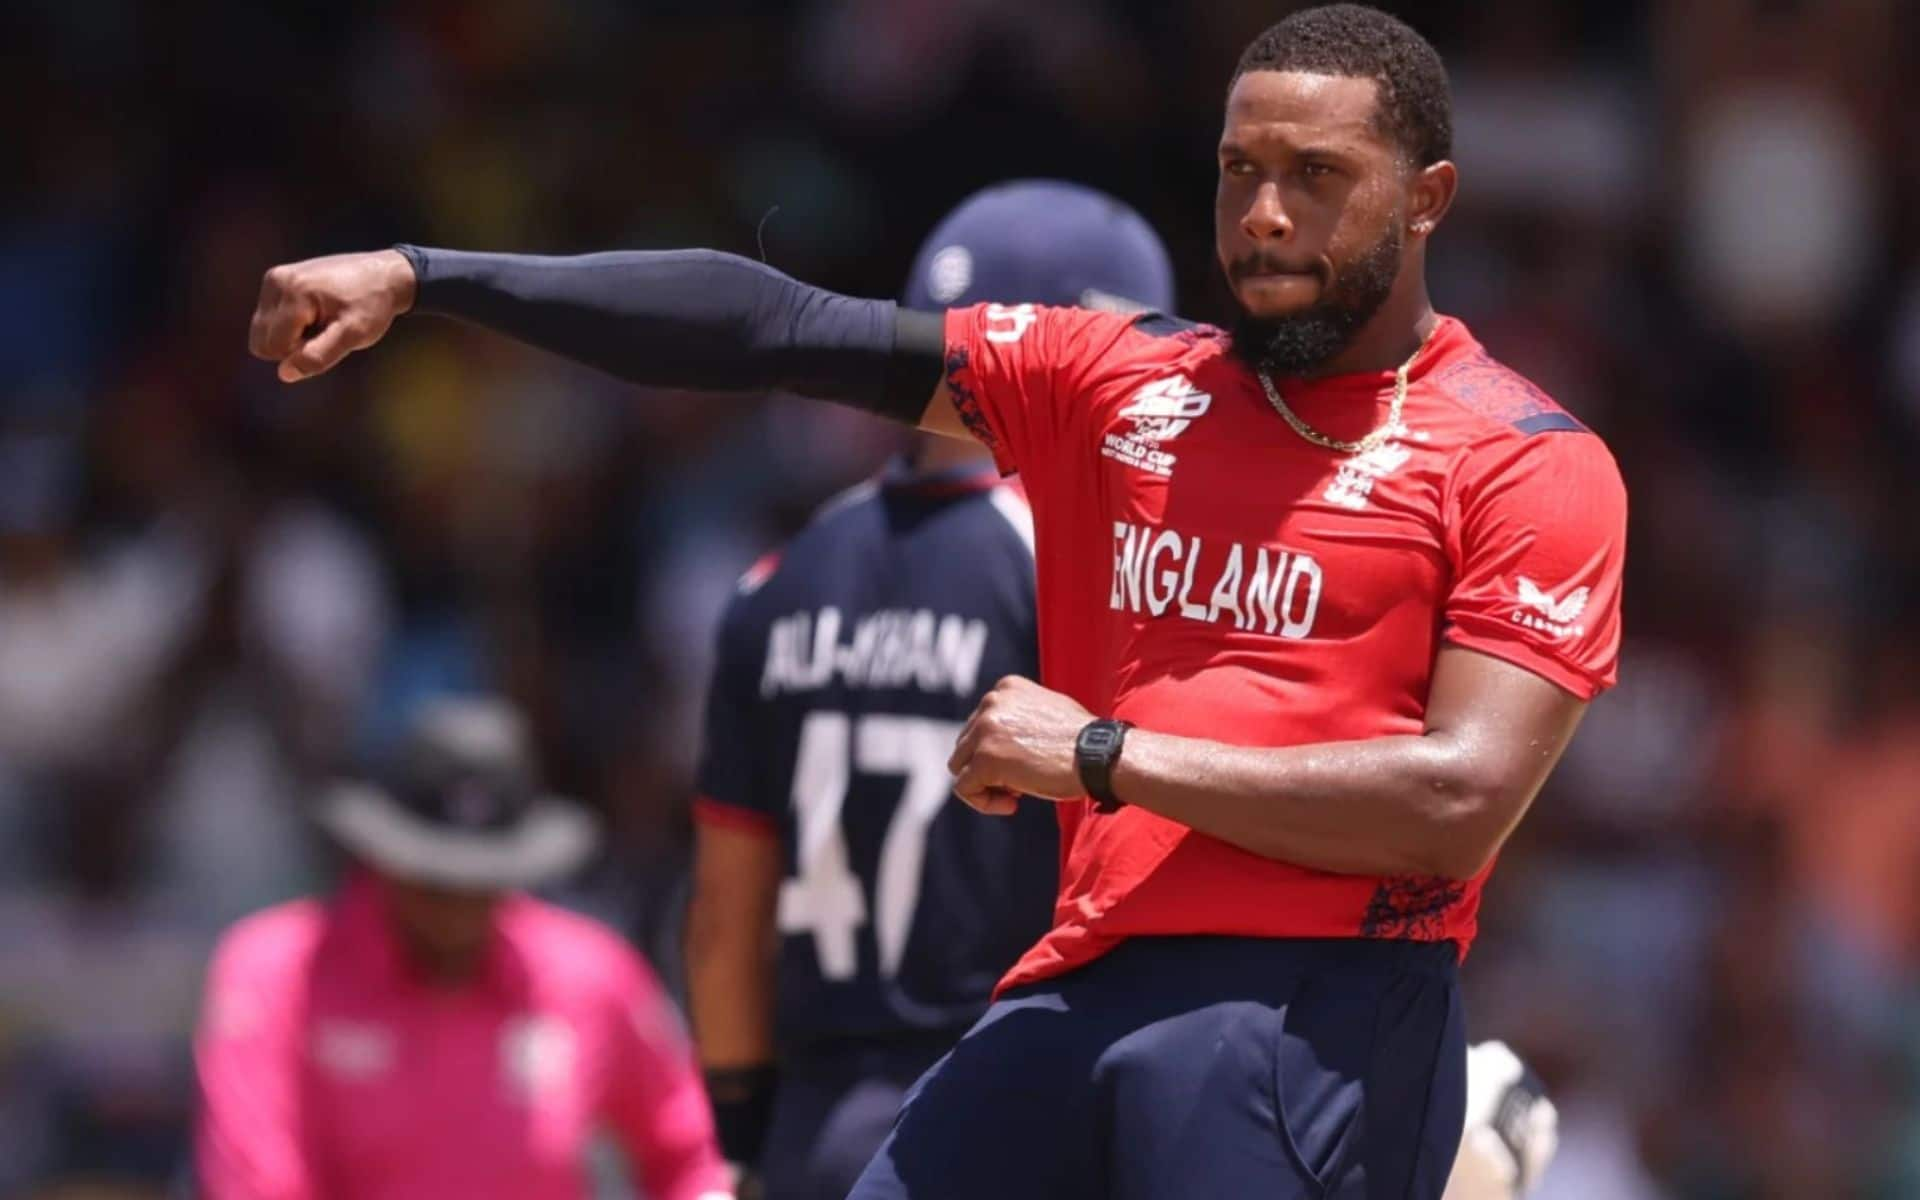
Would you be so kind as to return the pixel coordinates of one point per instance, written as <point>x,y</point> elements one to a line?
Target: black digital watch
<point>1094,753</point>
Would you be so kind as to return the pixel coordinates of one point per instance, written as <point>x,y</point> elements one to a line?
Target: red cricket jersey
<point>1203,570</point>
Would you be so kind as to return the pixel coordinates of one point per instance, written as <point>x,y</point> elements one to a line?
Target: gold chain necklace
<point>1379,434</point>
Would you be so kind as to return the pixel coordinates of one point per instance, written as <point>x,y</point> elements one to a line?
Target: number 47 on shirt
<point>825,897</point>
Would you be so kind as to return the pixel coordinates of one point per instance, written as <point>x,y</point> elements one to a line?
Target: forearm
<point>692,319</point>
<point>730,989</point>
<point>1384,806</point>
<point>730,996</point>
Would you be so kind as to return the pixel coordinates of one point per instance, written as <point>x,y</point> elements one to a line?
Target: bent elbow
<point>1470,824</point>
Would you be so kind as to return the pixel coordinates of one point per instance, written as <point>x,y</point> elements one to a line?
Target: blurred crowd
<point>1690,220</point>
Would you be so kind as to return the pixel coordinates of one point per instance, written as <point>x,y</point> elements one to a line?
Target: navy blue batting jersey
<point>847,666</point>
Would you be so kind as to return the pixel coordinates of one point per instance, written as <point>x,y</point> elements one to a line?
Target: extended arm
<point>1436,803</point>
<point>684,318</point>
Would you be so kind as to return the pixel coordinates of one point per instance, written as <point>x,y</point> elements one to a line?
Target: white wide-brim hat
<point>461,810</point>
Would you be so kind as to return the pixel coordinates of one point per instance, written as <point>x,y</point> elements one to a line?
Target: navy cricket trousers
<point>1198,1067</point>
<point>835,1104</point>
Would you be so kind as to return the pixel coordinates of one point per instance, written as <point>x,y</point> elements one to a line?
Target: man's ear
<point>1430,196</point>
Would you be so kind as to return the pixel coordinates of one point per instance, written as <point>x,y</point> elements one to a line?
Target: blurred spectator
<point>83,636</point>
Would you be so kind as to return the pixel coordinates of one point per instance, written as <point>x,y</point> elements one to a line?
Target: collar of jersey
<point>900,475</point>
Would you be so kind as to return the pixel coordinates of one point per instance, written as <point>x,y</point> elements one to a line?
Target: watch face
<point>1100,739</point>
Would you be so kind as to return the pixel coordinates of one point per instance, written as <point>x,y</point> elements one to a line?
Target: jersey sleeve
<point>731,788</point>
<point>1537,540</point>
<point>248,1141</point>
<point>1019,374</point>
<point>655,1102</point>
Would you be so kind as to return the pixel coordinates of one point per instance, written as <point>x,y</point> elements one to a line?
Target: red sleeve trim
<point>708,811</point>
<point>972,415</point>
<point>1583,684</point>
<point>959,373</point>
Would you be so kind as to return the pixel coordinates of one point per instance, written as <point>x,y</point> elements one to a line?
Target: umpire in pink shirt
<point>432,1030</point>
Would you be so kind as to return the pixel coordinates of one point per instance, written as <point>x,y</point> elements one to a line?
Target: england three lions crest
<point>1353,483</point>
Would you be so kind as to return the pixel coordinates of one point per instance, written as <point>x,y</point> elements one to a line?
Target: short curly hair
<point>1415,107</point>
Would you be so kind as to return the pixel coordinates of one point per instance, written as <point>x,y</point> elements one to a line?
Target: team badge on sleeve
<point>1557,618</point>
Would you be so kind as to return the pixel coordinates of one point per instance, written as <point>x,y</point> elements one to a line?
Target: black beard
<point>1303,342</point>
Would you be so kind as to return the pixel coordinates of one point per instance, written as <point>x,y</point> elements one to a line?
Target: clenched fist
<point>314,313</point>
<point>1018,741</point>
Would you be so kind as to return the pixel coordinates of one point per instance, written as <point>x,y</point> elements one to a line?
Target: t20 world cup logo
<point>1163,409</point>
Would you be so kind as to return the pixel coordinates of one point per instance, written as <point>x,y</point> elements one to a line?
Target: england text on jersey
<point>1266,588</point>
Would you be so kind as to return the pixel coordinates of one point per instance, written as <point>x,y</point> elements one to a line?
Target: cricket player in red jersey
<point>1322,600</point>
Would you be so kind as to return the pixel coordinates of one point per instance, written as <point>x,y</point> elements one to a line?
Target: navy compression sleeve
<point>693,319</point>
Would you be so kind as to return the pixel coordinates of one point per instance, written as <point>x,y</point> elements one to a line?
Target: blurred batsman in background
<point>1322,600</point>
<point>848,663</point>
<point>432,1030</point>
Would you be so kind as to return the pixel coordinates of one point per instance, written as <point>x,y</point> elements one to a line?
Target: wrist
<point>406,268</point>
<point>742,1099</point>
<point>1096,755</point>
